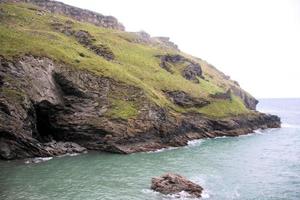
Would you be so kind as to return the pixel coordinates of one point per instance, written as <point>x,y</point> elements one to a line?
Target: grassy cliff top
<point>25,29</point>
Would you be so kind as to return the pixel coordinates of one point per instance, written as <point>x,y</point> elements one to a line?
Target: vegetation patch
<point>24,31</point>
<point>122,109</point>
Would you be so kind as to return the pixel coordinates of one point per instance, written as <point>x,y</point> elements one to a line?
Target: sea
<point>264,165</point>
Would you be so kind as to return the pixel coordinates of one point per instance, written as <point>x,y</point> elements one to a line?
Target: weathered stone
<point>249,101</point>
<point>173,184</point>
<point>166,41</point>
<point>185,100</point>
<point>76,13</point>
<point>222,95</point>
<point>84,37</point>
<point>43,101</point>
<point>103,50</point>
<point>192,72</point>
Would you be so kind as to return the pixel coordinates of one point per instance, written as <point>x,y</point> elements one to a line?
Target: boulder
<point>173,183</point>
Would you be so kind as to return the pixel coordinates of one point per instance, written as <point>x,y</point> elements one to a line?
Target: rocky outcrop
<point>185,100</point>
<point>173,184</point>
<point>222,95</point>
<point>76,13</point>
<point>61,148</point>
<point>166,41</point>
<point>41,101</point>
<point>143,37</point>
<point>191,70</point>
<point>249,101</point>
<point>85,38</point>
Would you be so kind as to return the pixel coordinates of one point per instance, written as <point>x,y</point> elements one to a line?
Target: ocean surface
<point>264,165</point>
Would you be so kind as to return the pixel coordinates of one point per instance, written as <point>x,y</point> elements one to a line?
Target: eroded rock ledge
<point>41,101</point>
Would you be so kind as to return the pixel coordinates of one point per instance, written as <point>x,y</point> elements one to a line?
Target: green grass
<point>122,109</point>
<point>22,31</point>
<point>224,108</point>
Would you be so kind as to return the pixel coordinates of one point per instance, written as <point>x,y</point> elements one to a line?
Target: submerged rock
<point>173,183</point>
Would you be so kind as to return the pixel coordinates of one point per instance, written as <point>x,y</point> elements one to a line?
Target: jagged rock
<point>42,100</point>
<point>249,101</point>
<point>84,38</point>
<point>192,72</point>
<point>103,50</point>
<point>222,95</point>
<point>173,184</point>
<point>76,13</point>
<point>60,148</point>
<point>185,100</point>
<point>166,41</point>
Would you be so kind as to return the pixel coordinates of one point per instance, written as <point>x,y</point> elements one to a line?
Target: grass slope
<point>24,31</point>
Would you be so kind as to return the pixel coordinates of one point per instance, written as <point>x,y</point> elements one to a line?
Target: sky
<point>255,42</point>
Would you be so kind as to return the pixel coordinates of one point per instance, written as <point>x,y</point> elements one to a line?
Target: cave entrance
<point>44,129</point>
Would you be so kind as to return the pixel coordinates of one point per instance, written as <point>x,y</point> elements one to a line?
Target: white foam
<point>38,160</point>
<point>163,149</point>
<point>193,143</point>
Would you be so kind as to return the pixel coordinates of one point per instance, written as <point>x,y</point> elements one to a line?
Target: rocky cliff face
<point>76,13</point>
<point>48,100</point>
<point>66,87</point>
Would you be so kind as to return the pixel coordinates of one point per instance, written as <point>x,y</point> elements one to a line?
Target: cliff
<point>106,89</point>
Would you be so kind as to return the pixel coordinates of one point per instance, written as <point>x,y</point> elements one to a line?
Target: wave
<point>38,160</point>
<point>162,149</point>
<point>181,195</point>
<point>193,143</point>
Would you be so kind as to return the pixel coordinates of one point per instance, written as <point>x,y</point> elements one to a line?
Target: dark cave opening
<point>44,129</point>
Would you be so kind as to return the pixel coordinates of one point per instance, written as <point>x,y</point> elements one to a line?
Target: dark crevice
<point>44,129</point>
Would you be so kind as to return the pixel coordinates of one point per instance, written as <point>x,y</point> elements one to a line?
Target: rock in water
<point>173,183</point>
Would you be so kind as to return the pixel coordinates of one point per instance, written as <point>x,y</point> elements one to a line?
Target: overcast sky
<point>256,42</point>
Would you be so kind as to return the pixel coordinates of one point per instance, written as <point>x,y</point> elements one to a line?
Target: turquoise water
<point>264,165</point>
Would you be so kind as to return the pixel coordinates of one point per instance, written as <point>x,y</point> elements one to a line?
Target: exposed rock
<point>103,50</point>
<point>143,37</point>
<point>166,41</point>
<point>248,100</point>
<point>42,101</point>
<point>222,95</point>
<point>84,38</point>
<point>185,100</point>
<point>173,184</point>
<point>60,148</point>
<point>192,71</point>
<point>76,13</point>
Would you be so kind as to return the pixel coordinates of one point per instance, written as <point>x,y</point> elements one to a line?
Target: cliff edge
<point>74,76</point>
